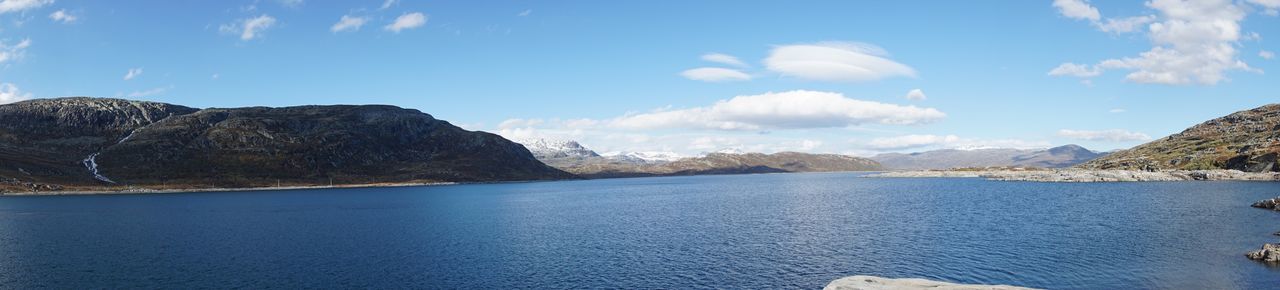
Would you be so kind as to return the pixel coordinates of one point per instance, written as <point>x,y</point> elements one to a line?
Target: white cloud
<point>9,93</point>
<point>249,28</point>
<point>804,121</point>
<point>1117,111</point>
<point>151,92</point>
<point>13,52</point>
<point>1266,54</point>
<point>1075,70</point>
<point>1194,42</point>
<point>784,110</point>
<point>1113,135</point>
<point>387,4</point>
<point>949,142</point>
<point>348,23</point>
<point>407,21</point>
<point>1125,25</point>
<point>1272,7</point>
<point>9,6</point>
<point>526,12</point>
<point>723,59</point>
<point>132,73</point>
<point>916,95</point>
<point>62,16</point>
<point>715,74</point>
<point>835,61</point>
<point>910,141</point>
<point>1077,9</point>
<point>292,3</point>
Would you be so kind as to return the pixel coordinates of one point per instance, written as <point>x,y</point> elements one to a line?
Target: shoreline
<point>1086,175</point>
<point>223,189</point>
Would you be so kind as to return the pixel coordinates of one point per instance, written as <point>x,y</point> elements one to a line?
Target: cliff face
<point>142,143</point>
<point>1247,140</point>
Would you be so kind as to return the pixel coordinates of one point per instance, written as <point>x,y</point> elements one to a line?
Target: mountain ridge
<point>99,142</point>
<point>1247,140</point>
<point>1055,157</point>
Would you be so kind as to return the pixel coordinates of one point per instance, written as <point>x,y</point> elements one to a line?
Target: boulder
<point>1267,203</point>
<point>1269,253</point>
<point>878,283</point>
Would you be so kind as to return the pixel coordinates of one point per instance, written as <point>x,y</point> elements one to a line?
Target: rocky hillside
<point>90,142</point>
<point>1056,157</point>
<point>1246,140</point>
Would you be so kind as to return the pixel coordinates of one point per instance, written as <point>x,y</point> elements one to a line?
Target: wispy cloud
<point>1266,54</point>
<point>11,52</point>
<point>9,93</point>
<point>1113,135</point>
<point>407,21</point>
<point>526,12</point>
<point>916,95</point>
<point>62,16</point>
<point>9,6</point>
<point>348,23</point>
<point>715,74</point>
<point>132,73</point>
<point>249,28</point>
<point>388,3</point>
<point>724,59</point>
<point>150,92</point>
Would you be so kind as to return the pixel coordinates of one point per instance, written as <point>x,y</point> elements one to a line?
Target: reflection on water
<point>742,231</point>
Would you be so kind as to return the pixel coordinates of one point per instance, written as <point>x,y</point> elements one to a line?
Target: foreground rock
<point>1081,175</point>
<point>874,283</point>
<point>1269,253</point>
<point>1268,204</point>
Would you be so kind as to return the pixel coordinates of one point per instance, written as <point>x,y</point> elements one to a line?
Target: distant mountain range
<point>1056,157</point>
<point>1247,140</point>
<point>96,143</point>
<point>572,157</point>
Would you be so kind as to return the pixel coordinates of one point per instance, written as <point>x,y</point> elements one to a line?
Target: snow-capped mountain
<point>644,157</point>
<point>547,148</point>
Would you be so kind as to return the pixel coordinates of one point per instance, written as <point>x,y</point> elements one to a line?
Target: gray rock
<point>1269,253</point>
<point>1267,203</point>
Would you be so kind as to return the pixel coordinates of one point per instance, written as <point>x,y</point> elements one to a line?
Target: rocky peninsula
<point>879,283</point>
<point>1086,175</point>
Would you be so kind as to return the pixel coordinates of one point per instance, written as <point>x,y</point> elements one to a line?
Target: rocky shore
<point>143,190</point>
<point>1270,253</point>
<point>878,283</point>
<point>1083,175</point>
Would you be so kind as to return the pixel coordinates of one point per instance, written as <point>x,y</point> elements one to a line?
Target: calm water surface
<point>774,231</point>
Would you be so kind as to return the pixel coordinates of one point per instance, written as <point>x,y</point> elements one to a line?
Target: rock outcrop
<point>1081,175</point>
<point>1270,204</point>
<point>90,142</point>
<point>1246,141</point>
<point>879,283</point>
<point>1269,253</point>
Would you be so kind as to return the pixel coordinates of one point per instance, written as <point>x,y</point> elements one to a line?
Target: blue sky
<point>819,76</point>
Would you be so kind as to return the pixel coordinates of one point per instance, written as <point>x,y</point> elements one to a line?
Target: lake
<point>770,231</point>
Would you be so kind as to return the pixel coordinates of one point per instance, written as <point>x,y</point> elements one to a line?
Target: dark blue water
<point>744,231</point>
